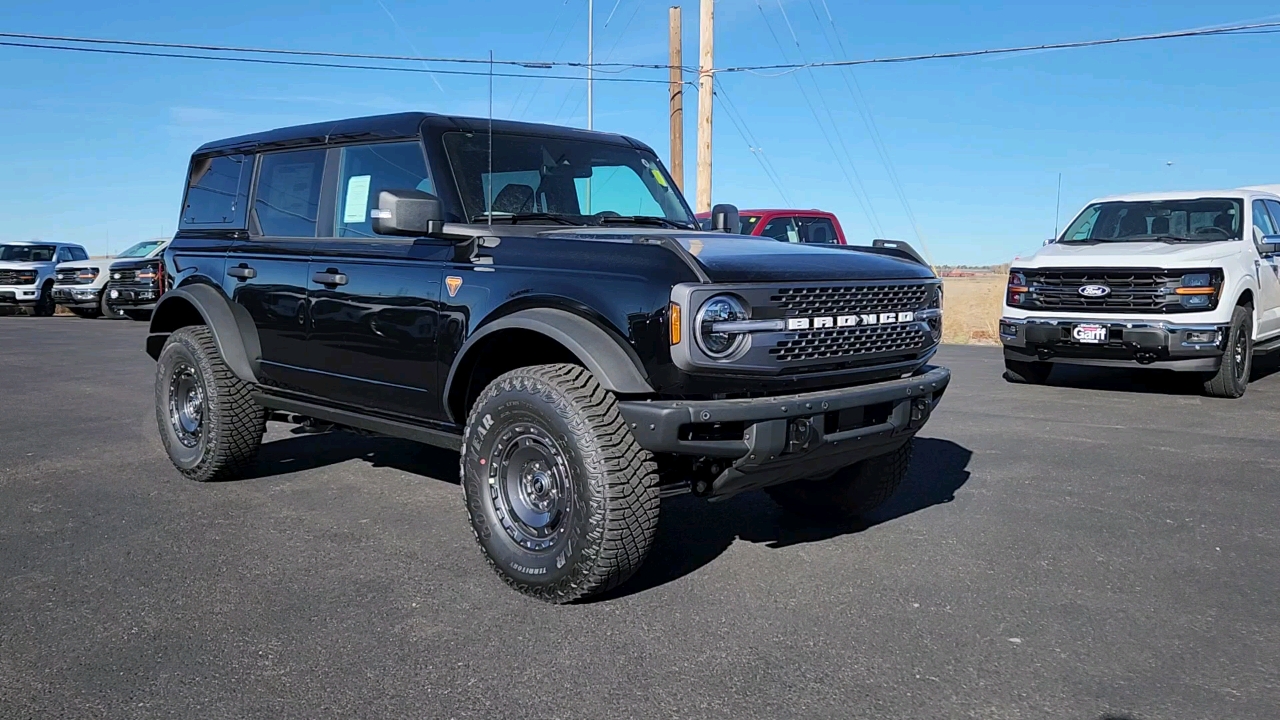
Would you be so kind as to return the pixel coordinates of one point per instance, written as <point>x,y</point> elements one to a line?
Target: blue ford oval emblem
<point>1095,291</point>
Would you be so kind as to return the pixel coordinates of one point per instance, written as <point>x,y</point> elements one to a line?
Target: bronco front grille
<point>843,343</point>
<point>11,277</point>
<point>851,299</point>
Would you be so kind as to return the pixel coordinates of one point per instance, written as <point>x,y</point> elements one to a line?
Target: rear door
<point>1269,276</point>
<point>375,300</point>
<point>266,274</point>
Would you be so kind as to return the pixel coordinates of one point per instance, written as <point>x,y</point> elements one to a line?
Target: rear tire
<point>45,306</point>
<point>209,423</point>
<point>850,493</point>
<point>1232,378</point>
<point>1027,373</point>
<point>562,500</point>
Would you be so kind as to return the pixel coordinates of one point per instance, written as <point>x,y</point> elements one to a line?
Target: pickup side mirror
<point>1270,245</point>
<point>1050,241</point>
<point>411,213</point>
<point>724,218</point>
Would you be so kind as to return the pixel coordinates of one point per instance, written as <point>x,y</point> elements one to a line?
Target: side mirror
<point>408,212</point>
<point>1270,245</point>
<point>724,218</point>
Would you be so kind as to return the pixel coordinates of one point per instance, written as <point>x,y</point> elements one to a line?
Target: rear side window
<point>217,192</point>
<point>368,170</point>
<point>287,201</point>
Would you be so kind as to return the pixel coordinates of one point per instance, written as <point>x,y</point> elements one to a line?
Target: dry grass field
<point>971,314</point>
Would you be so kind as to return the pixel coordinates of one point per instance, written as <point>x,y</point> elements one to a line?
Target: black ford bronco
<point>541,299</point>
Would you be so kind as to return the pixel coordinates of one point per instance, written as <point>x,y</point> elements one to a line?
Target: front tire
<point>1027,373</point>
<point>106,309</point>
<point>849,494</point>
<point>562,500</point>
<point>45,306</point>
<point>209,424</point>
<point>1232,378</point>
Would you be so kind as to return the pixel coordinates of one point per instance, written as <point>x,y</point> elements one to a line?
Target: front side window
<point>368,170</point>
<point>79,254</point>
<point>141,249</point>
<point>287,201</point>
<point>27,253</point>
<point>575,182</point>
<point>1262,223</point>
<point>64,254</point>
<point>1198,220</point>
<point>817,231</point>
<point>215,191</point>
<point>783,229</point>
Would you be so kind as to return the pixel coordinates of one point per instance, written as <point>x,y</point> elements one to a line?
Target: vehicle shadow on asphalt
<point>692,532</point>
<point>308,451</point>
<point>1153,382</point>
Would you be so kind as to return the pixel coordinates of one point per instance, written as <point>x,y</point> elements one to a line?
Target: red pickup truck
<point>797,226</point>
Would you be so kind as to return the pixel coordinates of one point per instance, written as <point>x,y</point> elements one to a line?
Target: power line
<point>616,41</point>
<point>740,123</point>
<point>538,86</point>
<point>1263,28</point>
<point>301,63</point>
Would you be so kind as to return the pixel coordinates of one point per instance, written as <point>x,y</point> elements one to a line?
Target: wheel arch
<point>199,304</point>
<point>559,336</point>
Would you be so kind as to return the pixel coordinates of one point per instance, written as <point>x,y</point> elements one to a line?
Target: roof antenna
<point>489,185</point>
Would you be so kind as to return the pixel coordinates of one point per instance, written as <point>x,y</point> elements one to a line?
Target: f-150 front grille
<point>12,277</point>
<point>66,277</point>
<point>845,343</point>
<point>1127,290</point>
<point>851,299</point>
<point>124,275</point>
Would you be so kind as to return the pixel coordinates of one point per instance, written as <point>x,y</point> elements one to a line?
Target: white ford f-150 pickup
<point>1185,281</point>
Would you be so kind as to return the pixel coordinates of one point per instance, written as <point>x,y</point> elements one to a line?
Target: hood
<point>1129,254</point>
<point>24,265</point>
<point>746,259</point>
<point>131,263</point>
<point>99,265</point>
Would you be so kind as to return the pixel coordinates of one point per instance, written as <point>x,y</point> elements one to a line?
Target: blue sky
<point>94,148</point>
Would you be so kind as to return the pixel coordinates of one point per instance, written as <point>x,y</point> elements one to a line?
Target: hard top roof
<point>397,126</point>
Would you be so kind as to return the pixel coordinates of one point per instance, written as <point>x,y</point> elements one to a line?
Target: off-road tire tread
<point>850,493</point>
<point>1222,384</point>
<point>612,458</point>
<point>1020,372</point>
<point>236,424</point>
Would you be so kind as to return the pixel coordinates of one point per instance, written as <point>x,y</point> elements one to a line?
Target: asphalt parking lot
<point>1104,548</point>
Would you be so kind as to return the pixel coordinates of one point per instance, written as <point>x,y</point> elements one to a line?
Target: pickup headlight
<point>1018,289</point>
<point>1198,291</point>
<point>934,314</point>
<point>718,343</point>
<point>87,275</point>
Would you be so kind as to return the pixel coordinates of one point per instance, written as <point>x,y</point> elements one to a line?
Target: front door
<point>1269,280</point>
<point>267,274</point>
<point>375,300</point>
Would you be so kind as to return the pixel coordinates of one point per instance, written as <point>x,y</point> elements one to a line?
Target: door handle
<point>242,272</point>
<point>332,277</point>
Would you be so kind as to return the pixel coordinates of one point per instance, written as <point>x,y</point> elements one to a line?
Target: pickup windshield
<point>27,253</point>
<point>142,249</point>
<point>562,181</point>
<point>1198,220</point>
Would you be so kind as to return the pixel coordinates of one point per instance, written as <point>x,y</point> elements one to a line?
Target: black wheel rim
<point>1239,353</point>
<point>529,486</point>
<point>186,404</point>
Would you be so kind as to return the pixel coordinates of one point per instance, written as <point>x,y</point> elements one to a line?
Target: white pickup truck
<point>1184,281</point>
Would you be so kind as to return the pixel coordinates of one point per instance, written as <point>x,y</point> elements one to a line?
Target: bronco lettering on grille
<point>818,323</point>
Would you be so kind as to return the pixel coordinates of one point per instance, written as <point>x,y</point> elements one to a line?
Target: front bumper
<point>74,296</point>
<point>788,437</point>
<point>1130,343</point>
<point>19,294</point>
<point>132,298</point>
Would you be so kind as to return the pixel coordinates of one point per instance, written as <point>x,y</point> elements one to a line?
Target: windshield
<point>27,253</point>
<point>569,181</point>
<point>1198,220</point>
<point>142,249</point>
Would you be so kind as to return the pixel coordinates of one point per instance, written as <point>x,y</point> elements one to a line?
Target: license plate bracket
<point>1090,334</point>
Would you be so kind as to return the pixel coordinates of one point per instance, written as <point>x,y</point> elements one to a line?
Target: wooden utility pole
<point>705,98</point>
<point>676,88</point>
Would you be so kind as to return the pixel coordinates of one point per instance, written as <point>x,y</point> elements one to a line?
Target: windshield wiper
<point>1170,238</point>
<point>515,219</point>
<point>650,220</point>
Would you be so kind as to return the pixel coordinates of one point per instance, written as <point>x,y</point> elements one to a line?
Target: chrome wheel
<point>529,485</point>
<point>186,404</point>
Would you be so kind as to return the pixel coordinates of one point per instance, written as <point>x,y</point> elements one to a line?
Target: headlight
<point>87,275</point>
<point>146,274</point>
<point>1198,291</point>
<point>720,309</point>
<point>1018,289</point>
<point>935,314</point>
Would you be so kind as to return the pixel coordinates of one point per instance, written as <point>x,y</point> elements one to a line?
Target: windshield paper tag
<point>356,208</point>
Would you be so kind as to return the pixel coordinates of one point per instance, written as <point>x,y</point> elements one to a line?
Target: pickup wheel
<point>209,423</point>
<point>1232,378</point>
<point>45,306</point>
<point>562,500</point>
<point>850,493</point>
<point>1027,373</point>
<point>107,310</point>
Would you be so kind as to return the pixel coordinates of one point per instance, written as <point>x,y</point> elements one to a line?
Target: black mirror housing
<point>724,218</point>
<point>410,213</point>
<point>1270,245</point>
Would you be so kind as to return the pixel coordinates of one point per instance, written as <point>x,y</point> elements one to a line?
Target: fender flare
<point>610,359</point>
<point>234,332</point>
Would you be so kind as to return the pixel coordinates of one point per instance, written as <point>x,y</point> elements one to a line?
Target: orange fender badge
<point>453,282</point>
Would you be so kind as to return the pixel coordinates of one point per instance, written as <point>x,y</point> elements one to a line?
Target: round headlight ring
<point>721,308</point>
